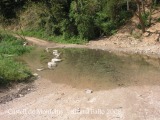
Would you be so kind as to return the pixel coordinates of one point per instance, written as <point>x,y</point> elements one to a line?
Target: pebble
<point>92,100</point>
<point>35,74</point>
<point>78,110</point>
<point>40,69</point>
<point>88,91</point>
<point>20,95</point>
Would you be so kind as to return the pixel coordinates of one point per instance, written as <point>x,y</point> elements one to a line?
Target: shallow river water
<point>96,69</point>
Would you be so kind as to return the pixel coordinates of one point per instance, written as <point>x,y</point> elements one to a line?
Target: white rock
<point>78,110</point>
<point>20,95</point>
<point>51,65</point>
<point>55,52</point>
<point>57,55</point>
<point>56,60</point>
<point>25,43</point>
<point>35,74</point>
<point>40,69</point>
<point>47,49</point>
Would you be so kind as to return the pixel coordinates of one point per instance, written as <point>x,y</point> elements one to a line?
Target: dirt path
<point>52,101</point>
<point>61,102</point>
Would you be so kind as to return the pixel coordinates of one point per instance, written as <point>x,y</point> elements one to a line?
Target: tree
<point>139,14</point>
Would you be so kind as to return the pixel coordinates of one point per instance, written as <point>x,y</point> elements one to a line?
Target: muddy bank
<point>15,91</point>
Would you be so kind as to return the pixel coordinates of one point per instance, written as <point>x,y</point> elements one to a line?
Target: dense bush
<point>84,19</point>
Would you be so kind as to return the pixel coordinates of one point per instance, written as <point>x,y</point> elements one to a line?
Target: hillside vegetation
<point>74,21</point>
<point>68,19</point>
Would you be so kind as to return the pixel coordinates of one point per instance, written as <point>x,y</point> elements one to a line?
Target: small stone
<point>47,49</point>
<point>146,34</point>
<point>58,99</point>
<point>92,100</point>
<point>78,110</point>
<point>88,91</point>
<point>25,43</point>
<point>35,74</point>
<point>40,69</point>
<point>20,95</point>
<point>149,49</point>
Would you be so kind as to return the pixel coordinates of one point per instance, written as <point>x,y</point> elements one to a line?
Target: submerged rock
<point>51,65</point>
<point>40,69</point>
<point>56,60</point>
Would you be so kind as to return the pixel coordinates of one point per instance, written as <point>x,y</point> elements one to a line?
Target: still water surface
<point>96,69</point>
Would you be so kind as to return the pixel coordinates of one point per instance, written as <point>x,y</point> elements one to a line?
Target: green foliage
<point>58,39</point>
<point>12,46</point>
<point>112,15</point>
<point>145,18</point>
<point>11,70</point>
<point>67,19</point>
<point>158,20</point>
<point>83,14</point>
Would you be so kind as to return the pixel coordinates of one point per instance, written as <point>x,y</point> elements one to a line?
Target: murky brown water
<point>96,69</point>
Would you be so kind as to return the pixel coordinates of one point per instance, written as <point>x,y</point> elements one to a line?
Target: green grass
<point>10,45</point>
<point>58,39</point>
<point>10,69</point>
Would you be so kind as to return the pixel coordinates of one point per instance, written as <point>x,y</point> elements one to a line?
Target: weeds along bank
<point>67,21</point>
<point>12,70</point>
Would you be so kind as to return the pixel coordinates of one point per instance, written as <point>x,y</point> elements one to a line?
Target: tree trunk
<point>140,18</point>
<point>127,5</point>
<point>150,11</point>
<point>150,15</point>
<point>143,7</point>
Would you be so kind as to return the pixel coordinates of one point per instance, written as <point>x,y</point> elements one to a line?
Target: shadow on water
<point>96,69</point>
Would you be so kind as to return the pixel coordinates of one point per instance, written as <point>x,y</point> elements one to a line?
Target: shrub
<point>82,19</point>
